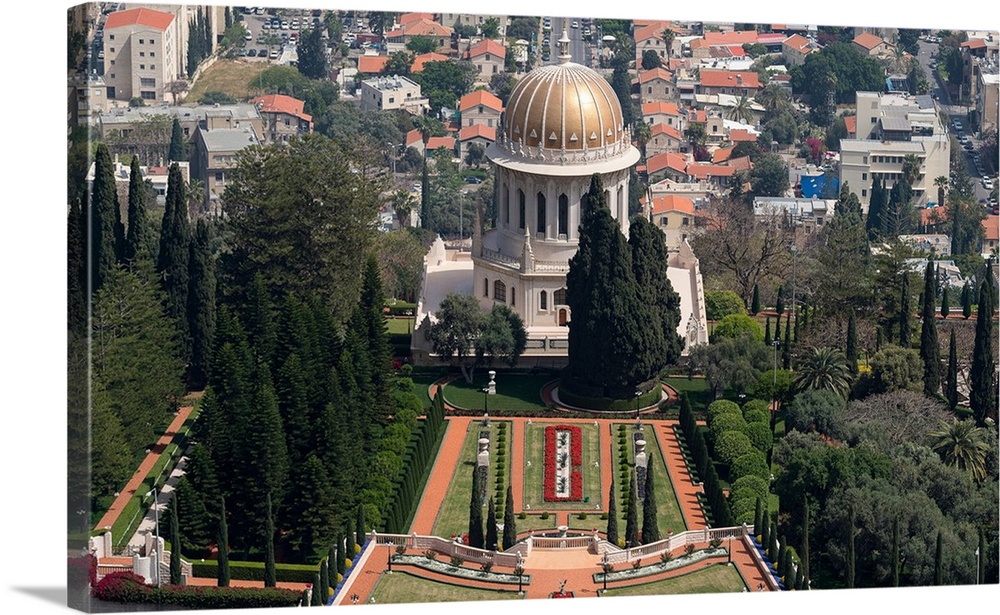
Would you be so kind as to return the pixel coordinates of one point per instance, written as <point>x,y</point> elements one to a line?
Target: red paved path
<point>147,464</point>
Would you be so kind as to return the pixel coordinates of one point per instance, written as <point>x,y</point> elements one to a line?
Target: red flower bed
<point>576,456</point>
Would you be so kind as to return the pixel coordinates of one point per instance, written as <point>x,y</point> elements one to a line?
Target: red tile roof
<point>424,58</point>
<point>851,121</point>
<point>728,78</point>
<point>480,97</point>
<point>665,129</point>
<point>413,137</point>
<point>697,116</point>
<point>976,43</point>
<point>426,27</point>
<point>868,40</point>
<point>372,65</point>
<point>487,46</point>
<point>991,224</point>
<point>143,17</point>
<point>666,160</point>
<point>439,142</point>
<point>797,42</point>
<point>738,37</point>
<point>279,103</point>
<point>672,202</point>
<point>933,215</point>
<point>408,18</point>
<point>740,164</point>
<point>654,108</point>
<point>650,30</point>
<point>471,132</point>
<point>656,73</point>
<point>737,135</point>
<point>701,170</point>
<point>722,154</point>
<point>699,43</point>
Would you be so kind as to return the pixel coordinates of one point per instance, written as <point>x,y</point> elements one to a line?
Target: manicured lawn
<point>534,475</point>
<point>421,383</point>
<point>668,512</point>
<point>712,580</point>
<point>400,587</point>
<point>234,77</point>
<point>514,392</point>
<point>696,389</point>
<point>399,326</point>
<point>453,518</point>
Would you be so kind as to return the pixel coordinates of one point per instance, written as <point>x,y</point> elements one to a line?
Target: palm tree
<point>941,182</point>
<point>642,134</point>
<point>911,169</point>
<point>824,369</point>
<point>775,100</point>
<point>668,39</point>
<point>742,110</point>
<point>961,444</point>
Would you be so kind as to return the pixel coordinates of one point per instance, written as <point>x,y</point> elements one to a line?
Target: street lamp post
<point>638,424</point>
<point>606,567</point>
<point>977,565</point>
<point>519,570</point>
<point>156,517</point>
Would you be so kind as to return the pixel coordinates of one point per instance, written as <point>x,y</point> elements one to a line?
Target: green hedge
<point>126,587</point>
<point>751,464</point>
<point>605,403</point>
<point>732,445</point>
<point>755,405</point>
<point>757,416</point>
<point>254,571</point>
<point>760,435</point>
<point>722,406</point>
<point>726,422</point>
<point>756,484</point>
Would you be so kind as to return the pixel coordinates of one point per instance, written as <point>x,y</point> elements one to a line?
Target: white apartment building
<point>890,127</point>
<point>141,54</point>
<point>392,93</point>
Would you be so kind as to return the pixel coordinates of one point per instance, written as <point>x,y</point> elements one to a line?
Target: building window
<point>506,205</point>
<point>147,82</point>
<point>112,50</point>
<point>563,215</point>
<point>499,291</point>
<point>142,54</point>
<point>147,95</point>
<point>540,214</point>
<point>142,42</point>
<point>152,66</point>
<point>152,54</point>
<point>864,192</point>
<point>152,40</point>
<point>513,296</point>
<point>543,300</point>
<point>486,287</point>
<point>142,67</point>
<point>111,36</point>
<point>559,297</point>
<point>520,209</point>
<point>219,176</point>
<point>864,176</point>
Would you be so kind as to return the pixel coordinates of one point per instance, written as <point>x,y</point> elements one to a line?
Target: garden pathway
<point>147,464</point>
<point>687,492</point>
<point>445,465</point>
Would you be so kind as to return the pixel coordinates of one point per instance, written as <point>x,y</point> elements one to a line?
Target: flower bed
<point>563,464</point>
<point>659,567</point>
<point>128,587</point>
<point>421,561</point>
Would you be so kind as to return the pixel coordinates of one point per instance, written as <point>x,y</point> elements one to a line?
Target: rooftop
<point>279,103</point>
<point>480,97</point>
<point>127,115</point>
<point>386,84</point>
<point>139,17</point>
<point>868,40</point>
<point>487,46</point>
<point>421,60</point>
<point>228,139</point>
<point>725,78</point>
<point>478,130</point>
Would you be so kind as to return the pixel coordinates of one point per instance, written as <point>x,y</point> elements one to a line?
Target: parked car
<point>472,179</point>
<point>251,53</point>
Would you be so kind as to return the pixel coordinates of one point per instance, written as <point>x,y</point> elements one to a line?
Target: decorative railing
<point>557,542</point>
<point>500,258</point>
<point>446,547</point>
<point>563,156</point>
<point>618,555</point>
<point>551,266</point>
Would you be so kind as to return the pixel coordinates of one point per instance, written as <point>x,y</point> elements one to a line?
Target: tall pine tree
<point>632,513</point>
<point>138,242</point>
<point>476,510</point>
<point>178,149</point>
<point>967,301</point>
<point>106,235</point>
<point>952,382</point>
<point>201,305</point>
<point>905,312</point>
<point>270,569</point>
<point>851,349</point>
<point>222,539</point>
<point>612,533</point>
<point>175,542</point>
<point>982,392</point>
<point>649,266</point>
<point>509,529</point>
<point>650,529</point>
<point>930,351</point>
<point>172,260</point>
<point>945,302</point>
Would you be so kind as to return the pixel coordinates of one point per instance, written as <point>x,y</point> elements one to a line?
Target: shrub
<point>812,409</point>
<point>756,404</point>
<point>431,555</point>
<point>715,543</point>
<point>130,588</point>
<point>604,516</point>
<point>522,515</point>
<point>735,326</point>
<point>487,566</point>
<point>582,516</point>
<point>689,549</point>
<point>724,423</point>
<point>742,501</point>
<point>456,561</point>
<point>761,436</point>
<point>254,571</point>
<point>636,564</point>
<point>753,463</point>
<point>666,556</point>
<point>745,517</point>
<point>721,303</point>
<point>722,406</point>
<point>757,416</point>
<point>732,444</point>
<point>544,516</point>
<point>756,484</point>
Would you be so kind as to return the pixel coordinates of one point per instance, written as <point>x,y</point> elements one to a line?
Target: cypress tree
<point>223,542</point>
<point>851,350</point>
<point>349,535</point>
<point>895,551</point>
<point>758,518</point>
<point>425,196</point>
<point>850,546</point>
<point>799,577</point>
<point>650,528</point>
<point>509,524</point>
<point>755,302</point>
<point>878,339</point>
<point>316,600</point>
<point>270,570</point>
<point>201,305</point>
<point>323,589</point>
<point>804,555</point>
<point>930,351</point>
<point>967,301</point>
<point>786,346</point>
<point>178,150</point>
<point>772,544</point>
<point>359,525</point>
<point>765,531</point>
<point>952,382</point>
<point>632,513</point>
<point>767,330</point>
<point>172,260</point>
<point>76,269</point>
<point>904,312</point>
<point>106,236</point>
<point>939,561</point>
<point>982,393</point>
<point>656,297</point>
<point>777,328</point>
<point>137,240</point>
<point>945,303</point>
<point>491,526</point>
<point>779,304</point>
<point>331,563</point>
<point>612,532</point>
<point>175,542</point>
<point>476,510</point>
<point>787,572</point>
<point>981,570</point>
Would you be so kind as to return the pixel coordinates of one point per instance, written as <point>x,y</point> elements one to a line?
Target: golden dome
<point>563,107</point>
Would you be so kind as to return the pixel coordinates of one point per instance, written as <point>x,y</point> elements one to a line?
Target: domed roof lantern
<point>564,55</point>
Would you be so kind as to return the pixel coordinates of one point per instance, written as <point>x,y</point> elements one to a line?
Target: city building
<point>214,156</point>
<point>544,158</point>
<point>283,117</point>
<point>393,92</point>
<point>141,54</point>
<point>676,216</point>
<point>656,85</point>
<point>417,24</point>
<point>157,177</point>
<point>488,57</point>
<point>728,82</point>
<point>808,215</point>
<point>480,107</point>
<point>795,48</point>
<point>871,45</point>
<point>478,134</point>
<point>88,99</point>
<point>889,127</point>
<point>453,20</point>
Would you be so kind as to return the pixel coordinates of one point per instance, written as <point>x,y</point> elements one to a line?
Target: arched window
<point>513,296</point>
<point>506,205</point>
<point>520,209</point>
<point>486,287</point>
<point>499,291</point>
<point>622,207</point>
<point>559,297</point>
<point>540,214</point>
<point>543,300</point>
<point>563,216</point>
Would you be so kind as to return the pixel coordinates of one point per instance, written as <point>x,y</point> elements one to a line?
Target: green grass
<point>712,580</point>
<point>668,511</point>
<point>514,392</point>
<point>399,326</point>
<point>696,389</point>
<point>453,517</point>
<point>534,475</point>
<point>400,587</point>
<point>421,383</point>
<point>234,77</point>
